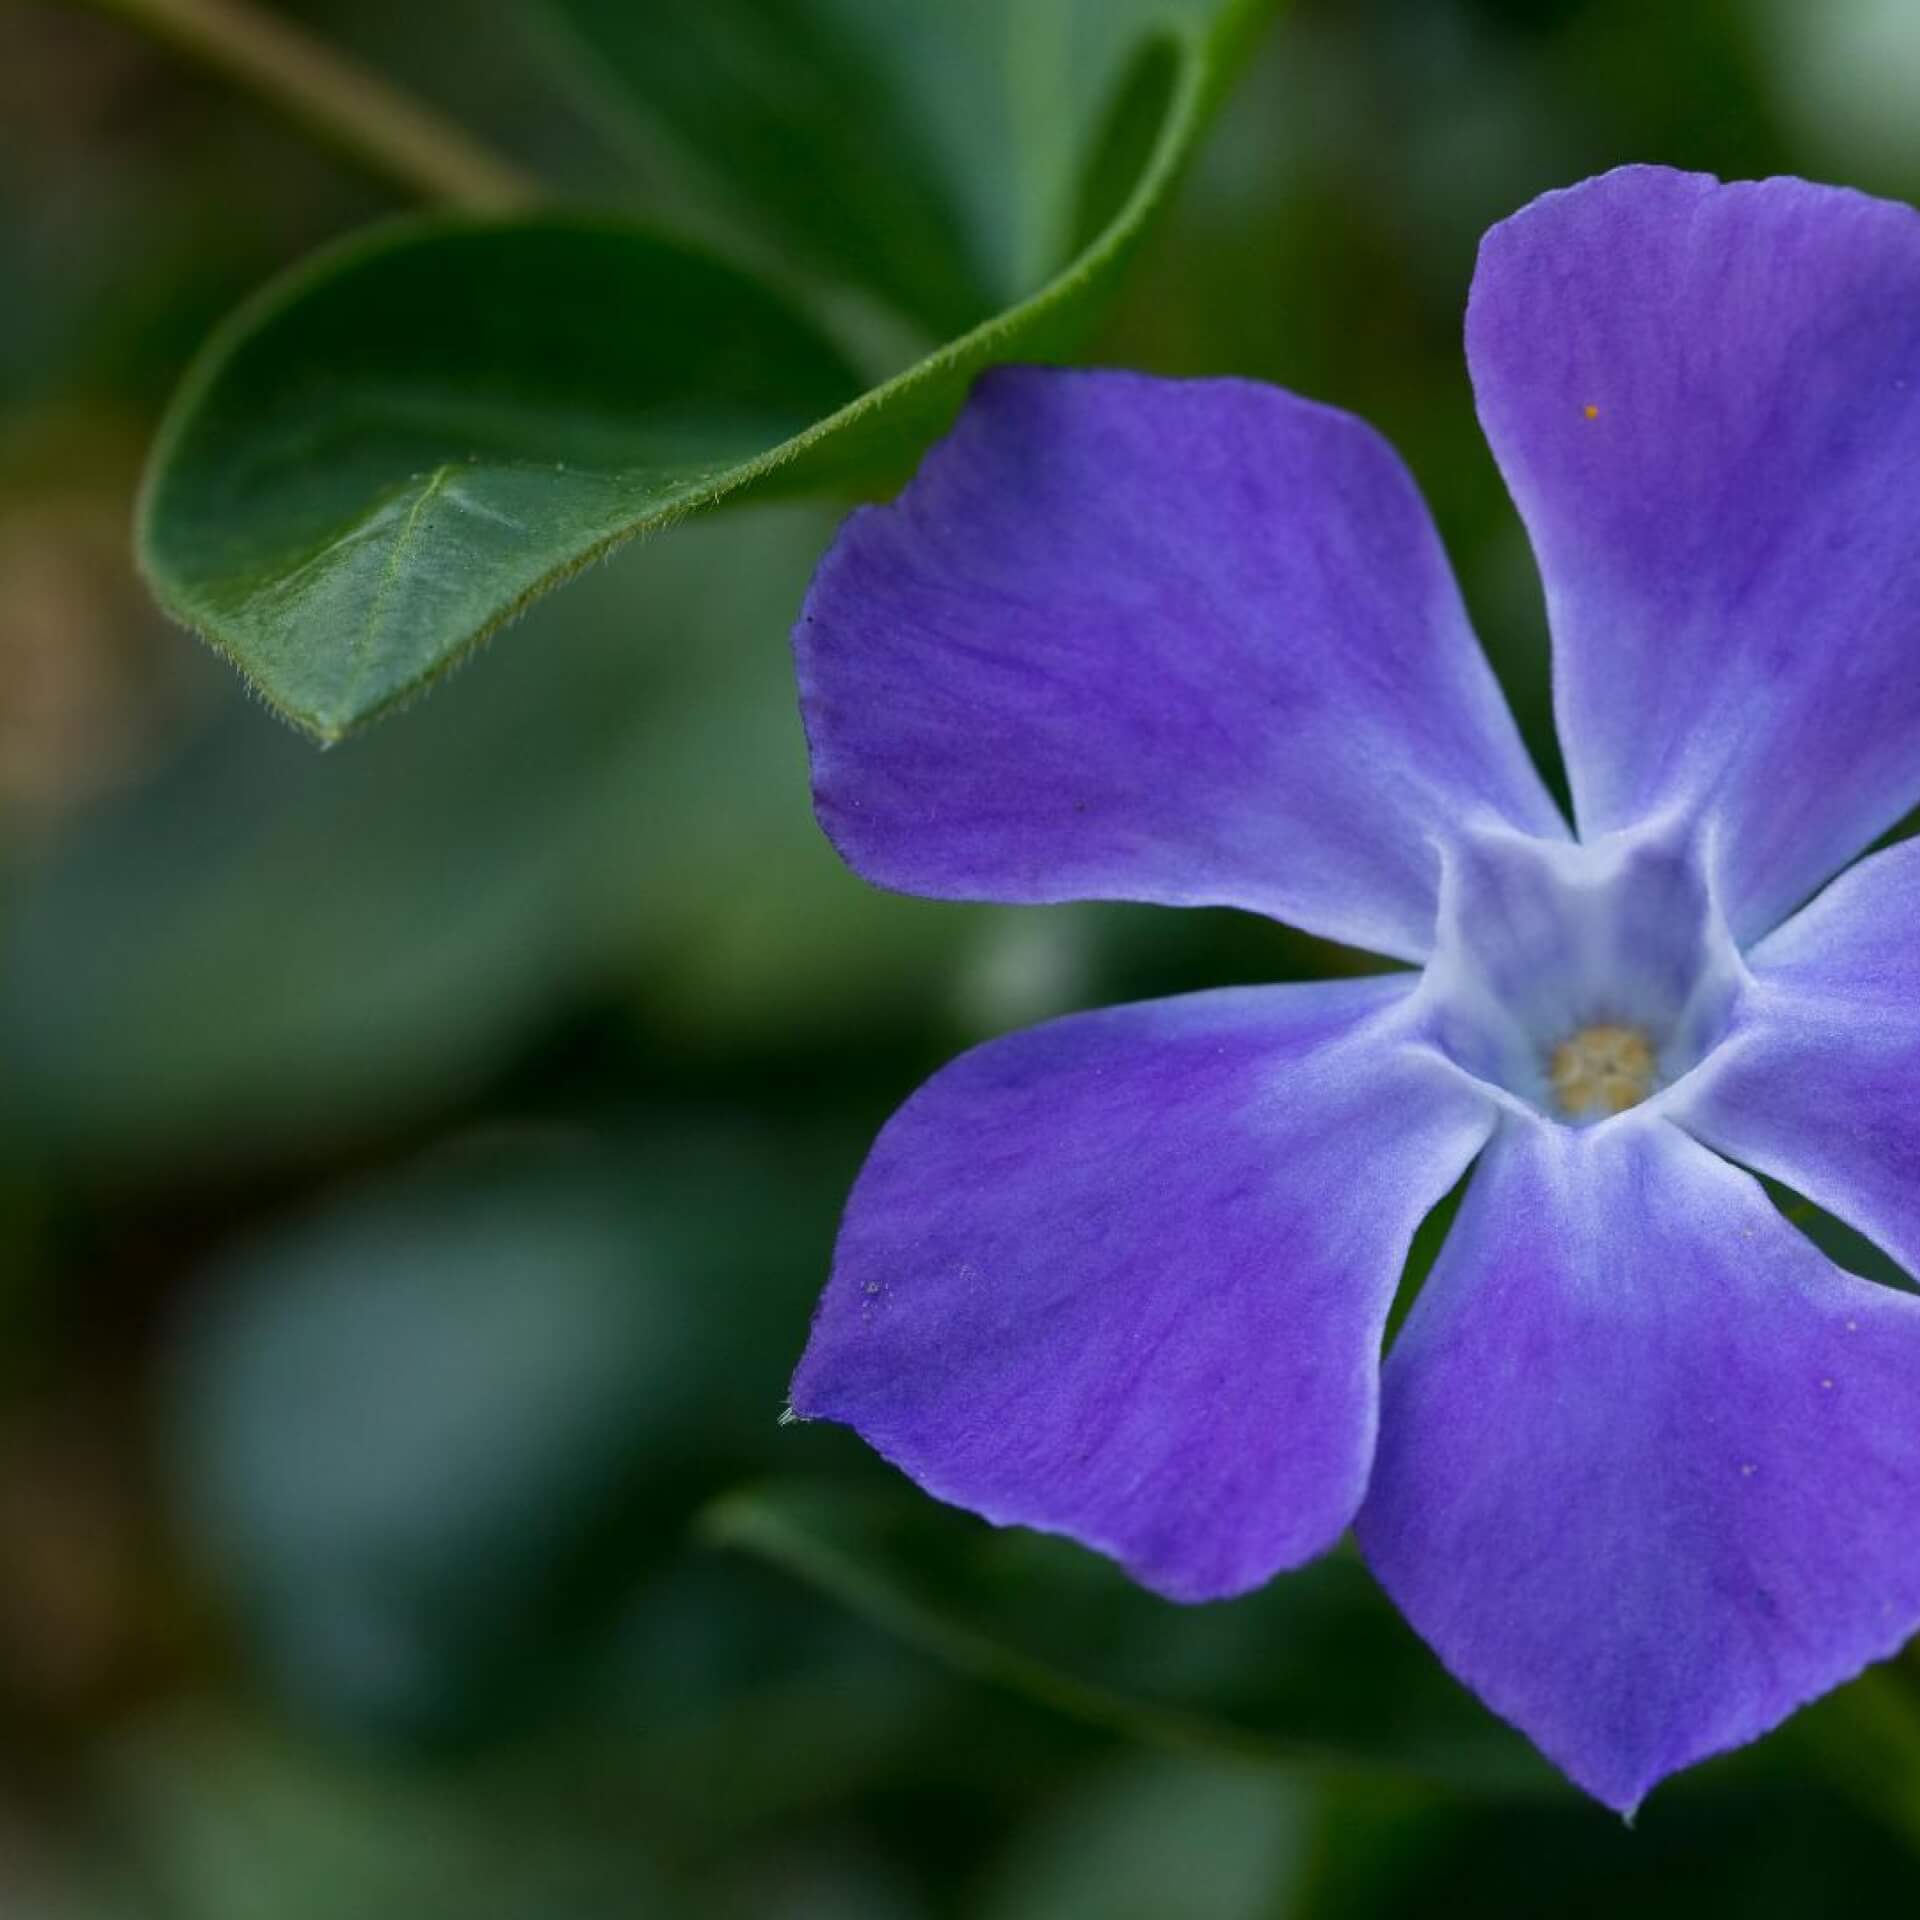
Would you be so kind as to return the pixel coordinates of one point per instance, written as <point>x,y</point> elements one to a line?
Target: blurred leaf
<point>1158,1834</point>
<point>263,950</point>
<point>398,1425</point>
<point>428,1437</point>
<point>1845,77</point>
<point>1777,1849</point>
<point>1864,1738</point>
<point>206,1815</point>
<point>1315,1672</point>
<point>936,157</point>
<point>389,453</point>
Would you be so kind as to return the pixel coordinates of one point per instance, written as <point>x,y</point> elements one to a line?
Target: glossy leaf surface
<point>389,453</point>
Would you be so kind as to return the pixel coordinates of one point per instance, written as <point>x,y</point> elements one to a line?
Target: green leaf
<point>1159,1834</point>
<point>390,452</point>
<point>398,1426</point>
<point>935,157</point>
<point>394,450</point>
<point>1314,1673</point>
<point>207,1810</point>
<point>333,946</point>
<point>430,1437</point>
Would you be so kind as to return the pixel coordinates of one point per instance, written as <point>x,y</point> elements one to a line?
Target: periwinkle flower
<point>1643,1466</point>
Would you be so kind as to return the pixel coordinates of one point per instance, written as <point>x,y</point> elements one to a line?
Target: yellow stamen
<point>1601,1070</point>
<point>1593,412</point>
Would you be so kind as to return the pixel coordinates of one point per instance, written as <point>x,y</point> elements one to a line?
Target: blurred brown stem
<point>351,108</point>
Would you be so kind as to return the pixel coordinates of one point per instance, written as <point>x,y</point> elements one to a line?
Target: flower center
<point>1601,1070</point>
<point>1580,980</point>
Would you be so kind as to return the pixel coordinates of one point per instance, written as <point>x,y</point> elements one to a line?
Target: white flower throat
<point>1579,980</point>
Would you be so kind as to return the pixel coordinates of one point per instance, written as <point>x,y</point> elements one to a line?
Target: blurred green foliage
<point>417,1161</point>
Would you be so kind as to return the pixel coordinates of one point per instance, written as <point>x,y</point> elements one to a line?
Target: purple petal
<point>1819,1085</point>
<point>1705,400</point>
<point>1192,642</point>
<point>1648,1463</point>
<point>1124,1277</point>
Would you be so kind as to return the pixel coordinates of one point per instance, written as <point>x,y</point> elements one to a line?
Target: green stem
<point>352,109</point>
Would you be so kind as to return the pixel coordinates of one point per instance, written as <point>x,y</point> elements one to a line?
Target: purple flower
<point>1643,1466</point>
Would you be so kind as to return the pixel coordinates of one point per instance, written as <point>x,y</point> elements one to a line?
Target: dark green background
<point>417,1161</point>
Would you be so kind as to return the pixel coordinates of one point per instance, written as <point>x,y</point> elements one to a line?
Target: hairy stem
<point>352,109</point>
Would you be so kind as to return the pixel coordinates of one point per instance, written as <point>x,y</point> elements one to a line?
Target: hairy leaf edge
<point>1206,61</point>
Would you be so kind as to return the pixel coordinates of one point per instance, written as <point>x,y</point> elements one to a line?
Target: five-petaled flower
<point>1643,1466</point>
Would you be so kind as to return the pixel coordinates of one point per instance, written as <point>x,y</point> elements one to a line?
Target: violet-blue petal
<point>1192,642</point>
<point>1648,1462</point>
<point>1705,399</point>
<point>1124,1276</point>
<point>1819,1083</point>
